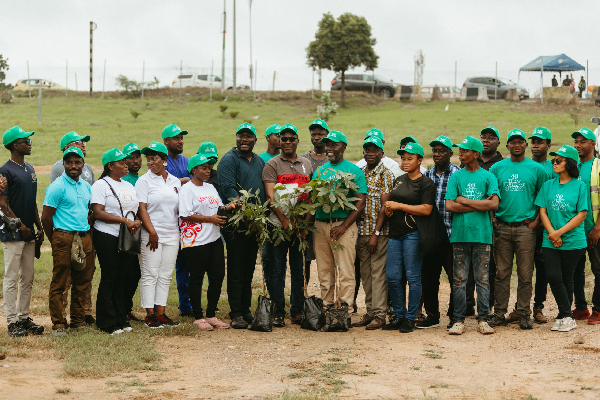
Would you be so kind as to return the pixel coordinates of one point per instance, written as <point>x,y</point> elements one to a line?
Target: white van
<point>193,80</point>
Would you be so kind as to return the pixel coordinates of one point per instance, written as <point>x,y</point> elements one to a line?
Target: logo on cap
<point>465,141</point>
<point>212,150</point>
<point>333,134</point>
<point>408,146</point>
<point>175,128</point>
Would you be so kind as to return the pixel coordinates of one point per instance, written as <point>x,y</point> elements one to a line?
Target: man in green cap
<point>209,150</point>
<point>585,141</point>
<point>515,223</point>
<point>387,161</point>
<point>273,145</point>
<point>73,139</point>
<point>397,170</point>
<point>134,163</point>
<point>18,200</point>
<point>472,195</point>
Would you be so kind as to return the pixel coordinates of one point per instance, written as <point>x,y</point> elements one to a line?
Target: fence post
<point>40,102</point>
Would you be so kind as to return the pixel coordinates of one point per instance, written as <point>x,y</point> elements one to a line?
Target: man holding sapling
<point>338,226</point>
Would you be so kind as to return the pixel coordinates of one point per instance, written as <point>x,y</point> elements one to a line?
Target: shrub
<point>233,114</point>
<point>328,108</point>
<point>223,108</point>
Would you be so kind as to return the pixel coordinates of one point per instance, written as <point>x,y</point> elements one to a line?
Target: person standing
<point>177,166</point>
<point>585,141</point>
<point>563,206</point>
<point>273,144</point>
<point>515,222</point>
<point>241,169</point>
<point>472,195</point>
<point>134,163</point>
<point>209,150</point>
<point>554,81</point>
<point>291,171</point>
<point>18,200</point>
<point>338,226</point>
<point>440,173</point>
<point>387,161</point>
<point>66,219</point>
<point>397,170</point>
<point>158,195</point>
<point>581,87</point>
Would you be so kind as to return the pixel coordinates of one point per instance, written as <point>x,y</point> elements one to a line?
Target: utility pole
<point>320,80</point>
<point>93,27</point>
<point>223,59</point>
<point>274,73</point>
<point>76,88</point>
<point>255,77</point>
<point>251,72</point>
<point>234,60</point>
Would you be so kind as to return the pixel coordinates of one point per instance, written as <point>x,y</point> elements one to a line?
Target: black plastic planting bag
<point>312,314</point>
<point>336,319</point>
<point>264,315</point>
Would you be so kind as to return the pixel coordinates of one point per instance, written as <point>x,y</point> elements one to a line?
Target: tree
<point>341,45</point>
<point>3,67</point>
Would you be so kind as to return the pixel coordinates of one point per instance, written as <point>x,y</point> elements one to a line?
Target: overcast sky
<point>161,33</point>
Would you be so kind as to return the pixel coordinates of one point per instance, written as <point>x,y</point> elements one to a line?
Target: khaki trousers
<point>87,305</point>
<point>345,261</point>
<point>18,273</point>
<point>373,274</point>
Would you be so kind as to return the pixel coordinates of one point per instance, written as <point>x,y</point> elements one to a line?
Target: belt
<point>514,224</point>
<point>82,234</point>
<point>332,220</point>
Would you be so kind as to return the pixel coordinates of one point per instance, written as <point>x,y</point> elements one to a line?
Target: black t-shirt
<point>21,190</point>
<point>411,192</point>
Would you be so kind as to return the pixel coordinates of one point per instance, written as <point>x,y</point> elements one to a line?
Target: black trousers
<point>205,259</point>
<point>560,268</point>
<point>471,282</point>
<point>541,281</point>
<point>242,251</point>
<point>133,274</point>
<point>110,310</point>
<point>430,280</point>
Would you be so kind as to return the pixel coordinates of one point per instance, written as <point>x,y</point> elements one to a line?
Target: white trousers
<point>157,271</point>
<point>18,273</point>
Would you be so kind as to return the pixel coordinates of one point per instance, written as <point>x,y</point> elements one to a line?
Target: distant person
<point>209,150</point>
<point>273,144</point>
<point>554,81</point>
<point>566,82</point>
<point>581,87</point>
<point>572,84</point>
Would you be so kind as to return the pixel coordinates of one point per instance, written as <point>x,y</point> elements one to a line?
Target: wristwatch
<point>376,233</point>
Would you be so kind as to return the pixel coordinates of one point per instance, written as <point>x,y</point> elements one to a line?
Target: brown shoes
<point>364,321</point>
<point>376,323</point>
<point>297,320</point>
<point>538,316</point>
<point>513,317</point>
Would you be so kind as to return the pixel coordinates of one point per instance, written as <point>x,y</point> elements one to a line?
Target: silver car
<point>499,87</point>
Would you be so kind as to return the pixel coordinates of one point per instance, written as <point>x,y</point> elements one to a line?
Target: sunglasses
<point>556,161</point>
<point>26,141</point>
<point>288,139</point>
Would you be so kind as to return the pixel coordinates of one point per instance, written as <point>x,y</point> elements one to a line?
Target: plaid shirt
<point>441,183</point>
<point>379,181</point>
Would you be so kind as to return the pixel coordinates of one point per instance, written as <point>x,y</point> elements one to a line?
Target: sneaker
<point>31,326</point>
<point>152,322</point>
<point>485,328</point>
<point>248,317</point>
<point>581,314</point>
<point>117,331</point>
<point>407,326</point>
<point>567,325</point>
<point>538,315</point>
<point>166,321</point>
<point>458,328</point>
<point>556,325</point>
<point>513,317</point>
<point>594,319</point>
<point>428,322</point>
<point>420,317</point>
<point>393,324</point>
<point>131,317</point>
<point>497,321</point>
<point>15,330</point>
<point>525,322</point>
<point>279,322</point>
<point>89,320</point>
<point>126,327</point>
<point>60,332</point>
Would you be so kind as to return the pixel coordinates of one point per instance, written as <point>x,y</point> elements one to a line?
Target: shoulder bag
<point>128,243</point>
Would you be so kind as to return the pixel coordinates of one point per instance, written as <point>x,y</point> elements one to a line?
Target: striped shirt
<point>379,181</point>
<point>441,183</point>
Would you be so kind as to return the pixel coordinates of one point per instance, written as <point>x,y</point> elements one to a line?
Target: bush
<point>233,114</point>
<point>328,108</point>
<point>223,108</point>
<point>6,97</point>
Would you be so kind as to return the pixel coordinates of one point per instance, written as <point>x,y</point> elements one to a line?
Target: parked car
<point>447,92</point>
<point>25,84</point>
<point>364,83</point>
<point>502,86</point>
<point>193,80</point>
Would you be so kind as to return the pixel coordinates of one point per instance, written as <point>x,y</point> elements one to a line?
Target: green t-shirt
<point>327,172</point>
<point>131,178</point>
<point>474,226</point>
<point>266,156</point>
<point>562,203</point>
<point>519,184</point>
<point>548,168</point>
<point>585,175</point>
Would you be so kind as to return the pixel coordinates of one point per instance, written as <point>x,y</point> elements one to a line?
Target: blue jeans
<point>403,257</point>
<point>278,268</point>
<point>182,277</point>
<point>465,255</point>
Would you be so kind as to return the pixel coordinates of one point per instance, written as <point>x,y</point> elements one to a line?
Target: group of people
<point>570,83</point>
<point>408,223</point>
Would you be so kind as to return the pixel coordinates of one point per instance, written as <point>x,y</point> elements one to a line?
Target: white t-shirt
<point>162,199</point>
<point>101,194</point>
<point>387,161</point>
<point>198,200</point>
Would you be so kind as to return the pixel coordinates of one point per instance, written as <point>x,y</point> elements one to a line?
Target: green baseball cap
<point>172,130</point>
<point>246,127</point>
<point>113,155</point>
<point>408,139</point>
<point>412,148</point>
<point>131,148</point>
<point>586,133</point>
<point>470,143</point>
<point>70,138</point>
<point>195,160</point>
<point>373,140</point>
<point>13,134</point>
<point>319,123</point>
<point>288,128</point>
<point>155,146</point>
<point>375,132</point>
<point>73,150</point>
<point>516,133</point>
<point>443,140</point>
<point>273,129</point>
<point>491,129</point>
<point>542,133</point>
<point>335,136</point>
<point>208,149</point>
<point>566,151</point>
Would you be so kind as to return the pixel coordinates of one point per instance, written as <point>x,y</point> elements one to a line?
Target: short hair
<point>571,167</point>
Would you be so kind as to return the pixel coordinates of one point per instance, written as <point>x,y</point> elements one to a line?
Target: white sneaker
<point>485,328</point>
<point>567,325</point>
<point>117,332</point>
<point>556,325</point>
<point>457,329</point>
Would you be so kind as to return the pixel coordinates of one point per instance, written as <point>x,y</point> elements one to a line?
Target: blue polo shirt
<point>178,168</point>
<point>71,200</point>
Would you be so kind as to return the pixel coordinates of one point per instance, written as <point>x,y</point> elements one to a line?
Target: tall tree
<point>3,67</point>
<point>341,45</point>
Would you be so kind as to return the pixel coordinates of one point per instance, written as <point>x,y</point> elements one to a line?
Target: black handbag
<point>128,243</point>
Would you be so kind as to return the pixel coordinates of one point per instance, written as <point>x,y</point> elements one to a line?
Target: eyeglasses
<point>557,161</point>
<point>79,142</point>
<point>26,141</point>
<point>288,139</point>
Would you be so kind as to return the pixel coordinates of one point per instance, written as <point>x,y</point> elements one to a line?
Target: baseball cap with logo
<point>13,134</point>
<point>246,127</point>
<point>73,150</point>
<point>373,140</point>
<point>470,143</point>
<point>542,133</point>
<point>195,160</point>
<point>375,132</point>
<point>566,151</point>
<point>288,128</point>
<point>586,133</point>
<point>113,155</point>
<point>208,149</point>
<point>491,129</point>
<point>274,129</point>
<point>408,139</point>
<point>335,136</point>
<point>412,148</point>
<point>515,133</point>
<point>155,146</point>
<point>319,123</point>
<point>443,140</point>
<point>70,138</point>
<point>130,148</point>
<point>172,130</point>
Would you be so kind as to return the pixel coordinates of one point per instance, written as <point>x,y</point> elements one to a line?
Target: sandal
<point>202,325</point>
<point>217,323</point>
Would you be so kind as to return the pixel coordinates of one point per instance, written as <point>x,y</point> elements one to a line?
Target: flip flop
<point>202,325</point>
<point>217,323</point>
